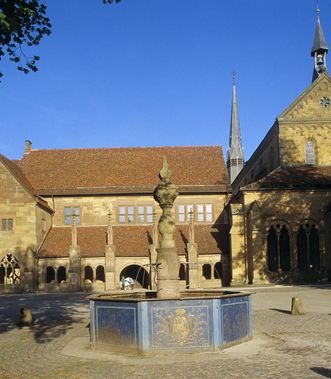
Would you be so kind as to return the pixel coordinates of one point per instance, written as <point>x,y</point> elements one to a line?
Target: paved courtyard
<point>57,346</point>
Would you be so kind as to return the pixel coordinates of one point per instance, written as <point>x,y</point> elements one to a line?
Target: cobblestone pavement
<point>284,346</point>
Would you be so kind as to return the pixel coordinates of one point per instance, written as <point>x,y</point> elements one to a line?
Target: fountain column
<point>167,258</point>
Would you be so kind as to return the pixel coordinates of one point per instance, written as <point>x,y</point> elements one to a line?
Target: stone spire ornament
<point>167,258</point>
<point>235,153</point>
<point>320,48</point>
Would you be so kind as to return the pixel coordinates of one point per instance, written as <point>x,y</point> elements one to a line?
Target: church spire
<point>320,48</point>
<point>235,154</point>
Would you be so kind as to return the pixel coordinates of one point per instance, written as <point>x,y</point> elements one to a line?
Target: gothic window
<point>218,270</point>
<point>308,247</point>
<point>206,271</point>
<point>61,274</point>
<point>50,274</point>
<point>100,274</point>
<point>278,248</point>
<point>7,224</point>
<point>310,152</point>
<point>88,273</point>
<point>70,212</point>
<point>10,270</point>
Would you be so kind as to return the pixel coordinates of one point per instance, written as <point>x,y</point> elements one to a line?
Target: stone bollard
<point>26,318</point>
<point>297,307</point>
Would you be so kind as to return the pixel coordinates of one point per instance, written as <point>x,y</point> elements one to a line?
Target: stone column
<point>29,270</point>
<point>110,256</point>
<point>74,260</point>
<point>238,253</point>
<point>192,255</point>
<point>167,258</point>
<point>153,255</point>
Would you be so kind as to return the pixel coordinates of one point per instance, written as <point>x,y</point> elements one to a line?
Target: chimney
<point>28,147</point>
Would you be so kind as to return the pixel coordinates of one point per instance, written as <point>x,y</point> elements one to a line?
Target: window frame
<point>72,212</point>
<point>7,224</point>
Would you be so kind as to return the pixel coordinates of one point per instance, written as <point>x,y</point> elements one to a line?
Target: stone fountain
<point>169,320</point>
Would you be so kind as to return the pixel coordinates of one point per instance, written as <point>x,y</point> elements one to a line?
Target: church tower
<point>319,50</point>
<point>235,153</point>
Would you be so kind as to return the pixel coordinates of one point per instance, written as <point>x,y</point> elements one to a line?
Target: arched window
<point>206,271</point>
<point>308,247</point>
<point>10,270</point>
<point>310,152</point>
<point>50,274</point>
<point>100,274</point>
<point>88,273</point>
<point>61,274</point>
<point>218,270</point>
<point>182,272</point>
<point>278,247</point>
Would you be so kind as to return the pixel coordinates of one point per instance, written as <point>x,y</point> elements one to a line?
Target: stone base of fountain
<point>141,323</point>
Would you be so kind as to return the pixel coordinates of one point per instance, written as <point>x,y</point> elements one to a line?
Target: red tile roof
<point>294,177</point>
<point>130,241</point>
<point>123,170</point>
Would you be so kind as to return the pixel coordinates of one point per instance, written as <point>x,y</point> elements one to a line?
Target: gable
<point>13,187</point>
<point>314,104</point>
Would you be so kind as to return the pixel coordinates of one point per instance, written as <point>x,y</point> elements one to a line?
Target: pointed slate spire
<point>235,153</point>
<point>320,49</point>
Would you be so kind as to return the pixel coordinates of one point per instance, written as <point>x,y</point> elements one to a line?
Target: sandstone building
<point>80,219</point>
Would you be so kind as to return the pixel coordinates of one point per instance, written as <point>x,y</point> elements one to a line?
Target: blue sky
<point>159,72</point>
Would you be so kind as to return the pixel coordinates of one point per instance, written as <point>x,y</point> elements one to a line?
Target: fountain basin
<point>139,323</point>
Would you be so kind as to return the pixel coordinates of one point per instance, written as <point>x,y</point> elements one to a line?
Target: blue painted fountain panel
<point>116,324</point>
<point>179,325</point>
<point>236,319</point>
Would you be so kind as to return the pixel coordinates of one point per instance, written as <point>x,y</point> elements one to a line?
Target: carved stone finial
<point>165,172</point>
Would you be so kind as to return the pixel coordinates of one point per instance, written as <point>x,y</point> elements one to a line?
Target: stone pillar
<point>192,252</point>
<point>192,255</point>
<point>29,271</point>
<point>74,271</point>
<point>167,257</point>
<point>110,279</point>
<point>237,238</point>
<point>152,271</point>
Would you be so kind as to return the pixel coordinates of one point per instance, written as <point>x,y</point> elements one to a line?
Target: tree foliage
<point>23,23</point>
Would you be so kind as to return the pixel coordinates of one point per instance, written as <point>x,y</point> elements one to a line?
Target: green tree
<point>23,23</point>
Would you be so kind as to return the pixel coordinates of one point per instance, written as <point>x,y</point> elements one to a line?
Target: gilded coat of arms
<point>180,326</point>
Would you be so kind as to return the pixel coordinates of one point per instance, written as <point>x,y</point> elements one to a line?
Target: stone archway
<point>137,273</point>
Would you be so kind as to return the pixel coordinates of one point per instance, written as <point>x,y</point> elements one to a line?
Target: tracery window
<point>308,247</point>
<point>10,270</point>
<point>278,248</point>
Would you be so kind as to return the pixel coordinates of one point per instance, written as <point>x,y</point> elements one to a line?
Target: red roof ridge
<point>123,148</point>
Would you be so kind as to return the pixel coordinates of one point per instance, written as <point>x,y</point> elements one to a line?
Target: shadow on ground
<point>280,310</point>
<point>325,372</point>
<point>53,314</point>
